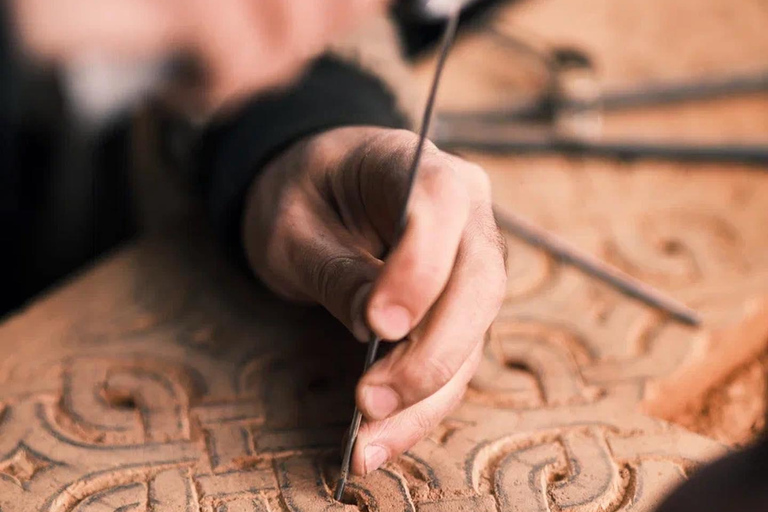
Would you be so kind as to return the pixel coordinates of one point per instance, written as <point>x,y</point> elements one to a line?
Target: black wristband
<point>331,94</point>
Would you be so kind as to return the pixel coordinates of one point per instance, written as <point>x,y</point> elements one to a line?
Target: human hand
<point>318,219</point>
<point>243,45</point>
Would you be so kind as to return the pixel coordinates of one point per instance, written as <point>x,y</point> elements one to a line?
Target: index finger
<point>379,441</point>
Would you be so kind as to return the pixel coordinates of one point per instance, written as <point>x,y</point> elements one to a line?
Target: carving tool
<point>493,139</point>
<point>531,127</point>
<point>373,344</point>
<point>648,95</point>
<point>594,267</point>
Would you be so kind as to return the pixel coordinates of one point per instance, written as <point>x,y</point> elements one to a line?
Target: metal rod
<point>426,120</point>
<point>750,154</point>
<point>373,344</point>
<point>590,265</point>
<point>357,417</point>
<point>711,87</point>
<point>648,95</point>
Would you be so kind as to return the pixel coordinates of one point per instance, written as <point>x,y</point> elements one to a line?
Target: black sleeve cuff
<point>11,214</point>
<point>331,94</point>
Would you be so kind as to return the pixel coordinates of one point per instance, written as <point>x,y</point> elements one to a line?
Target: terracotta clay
<point>721,391</point>
<point>722,353</point>
<point>163,380</point>
<point>232,401</point>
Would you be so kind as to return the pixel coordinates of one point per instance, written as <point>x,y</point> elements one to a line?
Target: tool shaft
<point>594,267</point>
<point>373,345</point>
<point>357,417</point>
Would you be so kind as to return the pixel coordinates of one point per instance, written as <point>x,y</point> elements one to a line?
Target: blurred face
<point>244,45</point>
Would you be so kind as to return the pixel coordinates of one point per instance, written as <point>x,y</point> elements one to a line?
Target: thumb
<point>300,248</point>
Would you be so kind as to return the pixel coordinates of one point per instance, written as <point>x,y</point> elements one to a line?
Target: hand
<point>317,221</point>
<point>244,45</point>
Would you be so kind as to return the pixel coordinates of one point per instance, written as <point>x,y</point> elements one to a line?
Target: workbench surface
<point>162,379</point>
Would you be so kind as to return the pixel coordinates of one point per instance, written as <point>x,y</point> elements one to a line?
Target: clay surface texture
<point>163,380</point>
<point>160,380</point>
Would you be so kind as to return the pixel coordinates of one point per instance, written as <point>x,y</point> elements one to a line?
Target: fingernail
<point>375,456</point>
<point>359,328</point>
<point>391,321</point>
<point>379,402</point>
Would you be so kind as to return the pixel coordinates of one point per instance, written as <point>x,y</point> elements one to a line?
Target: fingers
<point>438,348</point>
<point>418,269</point>
<point>309,255</point>
<point>380,441</point>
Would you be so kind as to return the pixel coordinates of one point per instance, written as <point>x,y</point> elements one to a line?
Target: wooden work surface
<point>160,379</point>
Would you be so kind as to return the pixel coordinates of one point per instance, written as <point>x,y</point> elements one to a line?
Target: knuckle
<point>439,182</point>
<point>477,180</point>
<point>423,421</point>
<point>379,430</point>
<point>438,373</point>
<point>424,378</point>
